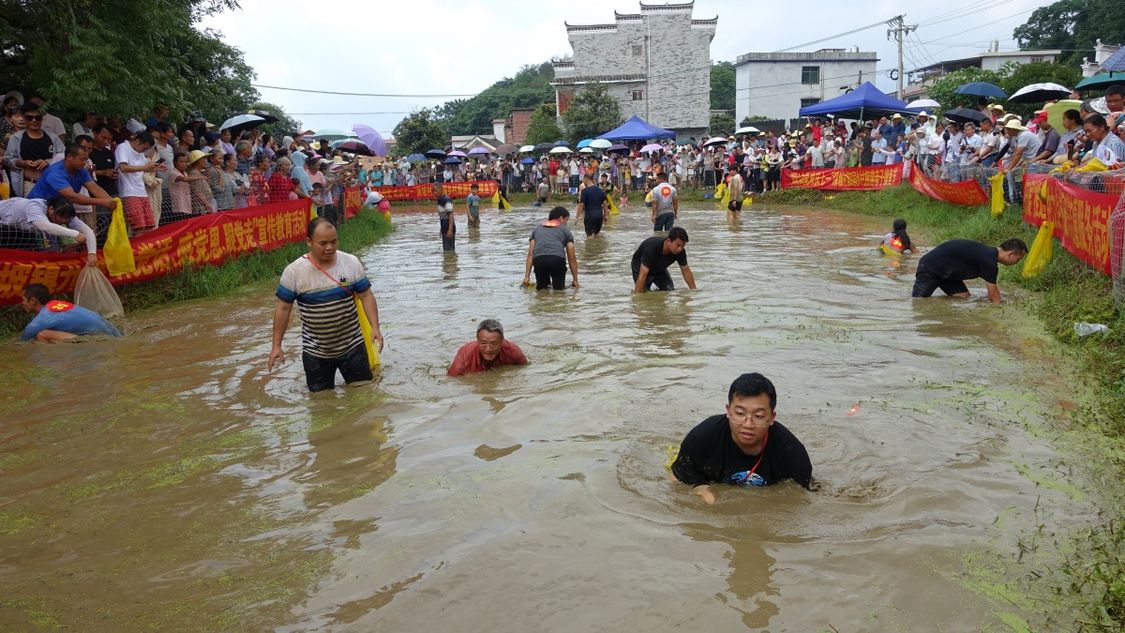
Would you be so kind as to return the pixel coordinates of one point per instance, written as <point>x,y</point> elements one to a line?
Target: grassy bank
<point>214,281</point>
<point>1068,291</point>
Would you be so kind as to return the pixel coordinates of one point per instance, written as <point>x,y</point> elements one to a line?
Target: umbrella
<point>618,148</point>
<point>600,143</point>
<point>1116,61</point>
<point>541,147</point>
<point>749,129</point>
<point>1102,80</point>
<point>966,115</point>
<point>452,160</point>
<point>586,150</point>
<point>1056,110</point>
<point>924,104</point>
<point>241,122</point>
<point>527,148</point>
<point>416,158</point>
<point>506,148</point>
<point>528,161</point>
<point>981,89</point>
<point>652,147</point>
<point>560,150</point>
<point>354,146</point>
<point>458,153</point>
<point>717,140</point>
<point>560,144</point>
<point>584,143</point>
<point>1037,93</point>
<point>331,134</point>
<point>371,139</point>
<point>435,153</point>
<point>477,151</point>
<point>265,114</point>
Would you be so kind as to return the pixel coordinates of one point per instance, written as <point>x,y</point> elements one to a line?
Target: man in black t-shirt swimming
<point>746,447</point>
<point>949,264</point>
<point>653,257</point>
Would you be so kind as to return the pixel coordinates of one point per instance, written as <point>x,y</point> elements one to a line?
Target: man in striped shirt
<point>324,284</point>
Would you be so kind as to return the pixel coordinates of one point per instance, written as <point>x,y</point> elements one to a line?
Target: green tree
<point>544,127</point>
<point>722,86</point>
<point>285,125</point>
<point>419,132</point>
<point>1073,26</point>
<point>530,87</point>
<point>722,124</point>
<point>121,57</point>
<point>751,120</point>
<point>592,112</point>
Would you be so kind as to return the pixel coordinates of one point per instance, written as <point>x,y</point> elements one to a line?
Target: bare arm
<point>689,278</point>
<point>676,205</point>
<point>76,198</point>
<point>527,264</point>
<point>642,276</point>
<point>281,314</point>
<point>704,492</point>
<point>573,265</point>
<point>371,307</point>
<point>993,292</point>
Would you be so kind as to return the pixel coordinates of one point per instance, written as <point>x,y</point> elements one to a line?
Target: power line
<point>832,37</point>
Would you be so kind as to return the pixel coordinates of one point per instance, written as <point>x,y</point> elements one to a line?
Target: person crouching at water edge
<point>490,350</point>
<point>950,263</point>
<point>745,447</point>
<point>324,284</point>
<point>653,257</point>
<point>59,320</point>
<point>550,248</point>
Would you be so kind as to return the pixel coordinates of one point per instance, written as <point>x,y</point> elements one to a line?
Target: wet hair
<point>558,212</point>
<point>314,224</point>
<point>1097,120</point>
<point>144,137</point>
<point>899,224</point>
<point>1073,115</point>
<point>62,208</point>
<point>678,233</point>
<point>750,385</point>
<point>38,292</point>
<point>491,325</point>
<point>76,148</point>
<point>1015,245</point>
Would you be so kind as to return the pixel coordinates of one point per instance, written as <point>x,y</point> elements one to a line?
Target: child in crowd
<point>317,198</point>
<point>897,241</point>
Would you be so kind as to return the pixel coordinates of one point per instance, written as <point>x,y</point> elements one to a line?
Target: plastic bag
<point>94,292</point>
<point>1041,250</point>
<point>117,250</point>
<point>613,210</point>
<point>368,340</point>
<point>997,182</point>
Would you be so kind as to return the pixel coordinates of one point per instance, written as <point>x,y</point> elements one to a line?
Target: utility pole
<point>899,29</point>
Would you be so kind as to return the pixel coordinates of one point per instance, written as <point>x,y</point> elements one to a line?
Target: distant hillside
<point>529,88</point>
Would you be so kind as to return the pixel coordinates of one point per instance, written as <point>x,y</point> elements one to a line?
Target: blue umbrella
<point>415,158</point>
<point>528,161</point>
<point>435,153</point>
<point>1116,61</point>
<point>452,160</point>
<point>561,144</point>
<point>584,142</point>
<point>982,89</point>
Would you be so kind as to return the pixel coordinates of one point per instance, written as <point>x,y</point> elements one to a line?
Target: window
<point>638,50</point>
<point>1035,59</point>
<point>638,95</point>
<point>810,75</point>
<point>808,102</point>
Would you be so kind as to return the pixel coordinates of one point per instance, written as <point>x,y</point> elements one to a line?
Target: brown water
<point>165,481</point>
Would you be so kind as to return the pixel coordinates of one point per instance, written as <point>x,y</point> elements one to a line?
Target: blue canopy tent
<point>637,129</point>
<point>865,100</point>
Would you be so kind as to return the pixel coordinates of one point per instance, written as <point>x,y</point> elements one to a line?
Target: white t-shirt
<point>132,184</point>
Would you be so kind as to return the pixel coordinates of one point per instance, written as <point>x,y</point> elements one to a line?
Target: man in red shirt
<point>490,350</point>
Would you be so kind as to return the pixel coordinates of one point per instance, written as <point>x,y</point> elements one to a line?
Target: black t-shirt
<point>104,159</point>
<point>651,254</point>
<point>961,260</point>
<point>709,455</point>
<point>35,148</point>
<point>592,200</point>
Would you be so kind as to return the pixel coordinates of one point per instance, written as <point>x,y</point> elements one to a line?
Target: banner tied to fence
<point>1081,216</point>
<point>206,239</point>
<point>966,192</point>
<point>847,179</point>
<point>405,193</point>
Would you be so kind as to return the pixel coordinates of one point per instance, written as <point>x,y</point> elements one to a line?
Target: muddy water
<point>165,481</point>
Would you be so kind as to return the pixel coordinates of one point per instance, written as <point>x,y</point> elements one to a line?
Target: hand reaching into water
<point>277,356</point>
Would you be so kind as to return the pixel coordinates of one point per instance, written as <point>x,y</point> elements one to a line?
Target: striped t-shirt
<point>329,321</point>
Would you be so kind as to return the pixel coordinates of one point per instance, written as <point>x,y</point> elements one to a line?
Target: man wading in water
<point>653,257</point>
<point>950,263</point>
<point>324,283</point>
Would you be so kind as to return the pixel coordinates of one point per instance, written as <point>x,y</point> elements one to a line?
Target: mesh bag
<point>94,292</point>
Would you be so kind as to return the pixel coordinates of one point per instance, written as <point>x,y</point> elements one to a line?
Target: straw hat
<point>1014,124</point>
<point>996,106</point>
<point>1010,116</point>
<point>339,160</point>
<point>315,145</point>
<point>896,116</point>
<point>923,113</point>
<point>195,155</point>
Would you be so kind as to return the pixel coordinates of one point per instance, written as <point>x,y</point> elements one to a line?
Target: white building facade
<point>656,64</point>
<point>778,85</point>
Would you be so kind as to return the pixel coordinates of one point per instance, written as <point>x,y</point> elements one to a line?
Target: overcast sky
<point>454,48</point>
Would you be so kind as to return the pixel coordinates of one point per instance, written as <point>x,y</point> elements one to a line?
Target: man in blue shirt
<point>66,179</point>
<point>59,320</point>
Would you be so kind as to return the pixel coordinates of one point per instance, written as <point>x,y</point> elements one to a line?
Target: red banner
<point>848,179</point>
<point>966,192</point>
<point>208,239</point>
<point>1081,217</point>
<point>353,201</point>
<point>485,189</point>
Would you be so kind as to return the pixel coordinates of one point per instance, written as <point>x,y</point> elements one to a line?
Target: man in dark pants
<point>591,207</point>
<point>949,264</point>
<point>445,217</point>
<point>665,204</point>
<point>653,257</point>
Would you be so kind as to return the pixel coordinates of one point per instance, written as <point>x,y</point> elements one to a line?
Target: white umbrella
<point>749,129</point>
<point>560,150</point>
<point>527,148</point>
<point>600,143</point>
<point>241,122</point>
<point>717,140</point>
<point>924,104</point>
<point>586,150</point>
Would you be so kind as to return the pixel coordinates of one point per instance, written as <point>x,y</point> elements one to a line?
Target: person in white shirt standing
<point>132,164</point>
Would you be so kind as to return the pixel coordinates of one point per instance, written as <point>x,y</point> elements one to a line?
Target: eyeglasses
<point>33,117</point>
<point>758,418</point>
